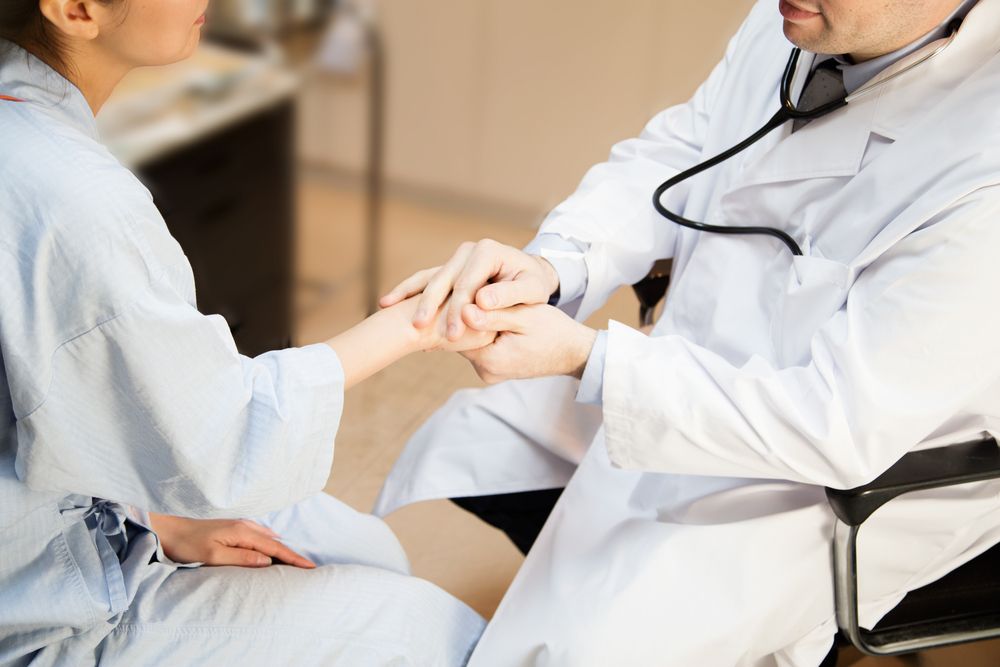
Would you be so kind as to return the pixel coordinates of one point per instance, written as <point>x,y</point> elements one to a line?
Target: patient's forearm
<point>379,341</point>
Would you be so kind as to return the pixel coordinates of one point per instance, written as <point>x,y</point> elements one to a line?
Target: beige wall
<point>509,101</point>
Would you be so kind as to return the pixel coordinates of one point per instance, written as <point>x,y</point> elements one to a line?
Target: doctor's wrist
<point>550,277</point>
<point>579,351</point>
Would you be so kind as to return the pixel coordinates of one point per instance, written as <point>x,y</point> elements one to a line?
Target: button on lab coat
<point>694,530</point>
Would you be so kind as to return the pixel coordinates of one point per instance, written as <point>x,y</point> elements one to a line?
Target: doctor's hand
<point>491,275</point>
<point>222,542</point>
<point>532,341</point>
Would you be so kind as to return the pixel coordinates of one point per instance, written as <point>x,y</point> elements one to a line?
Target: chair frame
<point>920,470</point>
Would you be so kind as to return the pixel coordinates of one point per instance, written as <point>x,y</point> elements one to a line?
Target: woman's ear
<point>75,19</point>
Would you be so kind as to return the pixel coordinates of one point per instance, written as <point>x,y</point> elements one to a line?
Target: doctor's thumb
<point>489,320</point>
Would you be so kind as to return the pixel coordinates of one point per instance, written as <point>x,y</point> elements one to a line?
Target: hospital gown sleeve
<point>915,344</point>
<point>611,213</point>
<point>142,399</point>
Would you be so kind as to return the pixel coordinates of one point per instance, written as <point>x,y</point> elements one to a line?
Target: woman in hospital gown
<point>117,394</point>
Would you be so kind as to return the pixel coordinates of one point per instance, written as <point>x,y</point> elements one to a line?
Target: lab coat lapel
<point>831,146</point>
<point>835,145</point>
<point>909,96</point>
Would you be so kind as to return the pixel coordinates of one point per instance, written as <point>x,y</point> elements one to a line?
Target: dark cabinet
<point>229,201</point>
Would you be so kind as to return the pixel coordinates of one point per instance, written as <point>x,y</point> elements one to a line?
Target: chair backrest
<point>651,290</point>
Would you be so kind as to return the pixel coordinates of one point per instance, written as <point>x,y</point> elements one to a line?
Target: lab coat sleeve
<point>915,343</point>
<point>567,258</point>
<point>151,405</point>
<point>592,383</point>
<point>611,212</point>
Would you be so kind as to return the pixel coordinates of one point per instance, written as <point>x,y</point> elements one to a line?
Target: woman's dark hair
<point>22,22</point>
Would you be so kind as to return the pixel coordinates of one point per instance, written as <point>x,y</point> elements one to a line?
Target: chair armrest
<point>926,469</point>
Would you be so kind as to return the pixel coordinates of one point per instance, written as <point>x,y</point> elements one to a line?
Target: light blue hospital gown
<point>113,387</point>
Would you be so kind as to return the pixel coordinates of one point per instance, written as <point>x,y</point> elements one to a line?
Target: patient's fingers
<point>248,537</point>
<point>485,263</point>
<point>440,286</point>
<point>413,285</point>
<point>239,557</point>
<point>275,549</point>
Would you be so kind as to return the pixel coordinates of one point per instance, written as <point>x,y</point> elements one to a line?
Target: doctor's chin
<point>368,333</point>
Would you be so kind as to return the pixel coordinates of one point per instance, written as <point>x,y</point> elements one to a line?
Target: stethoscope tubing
<point>779,119</point>
<point>788,111</point>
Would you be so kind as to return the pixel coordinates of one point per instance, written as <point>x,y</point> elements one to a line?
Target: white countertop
<point>156,111</point>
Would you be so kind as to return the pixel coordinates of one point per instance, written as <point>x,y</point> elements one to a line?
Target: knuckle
<point>466,285</point>
<point>436,284</point>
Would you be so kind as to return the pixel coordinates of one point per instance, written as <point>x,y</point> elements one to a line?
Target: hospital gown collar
<point>26,77</point>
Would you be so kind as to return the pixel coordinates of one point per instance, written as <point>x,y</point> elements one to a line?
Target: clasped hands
<point>489,303</point>
<point>497,296</point>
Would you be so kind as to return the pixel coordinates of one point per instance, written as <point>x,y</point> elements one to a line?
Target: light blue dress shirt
<point>567,256</point>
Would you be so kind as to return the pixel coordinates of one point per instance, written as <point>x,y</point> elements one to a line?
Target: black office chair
<point>963,606</point>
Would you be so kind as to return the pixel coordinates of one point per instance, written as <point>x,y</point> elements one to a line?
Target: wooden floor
<point>446,546</point>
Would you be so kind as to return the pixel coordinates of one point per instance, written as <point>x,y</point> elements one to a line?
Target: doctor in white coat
<point>693,529</point>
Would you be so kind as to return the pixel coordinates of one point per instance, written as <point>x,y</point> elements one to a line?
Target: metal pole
<point>376,149</point>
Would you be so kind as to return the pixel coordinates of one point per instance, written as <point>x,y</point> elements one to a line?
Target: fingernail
<point>491,299</point>
<point>263,560</point>
<point>421,315</point>
<point>452,330</point>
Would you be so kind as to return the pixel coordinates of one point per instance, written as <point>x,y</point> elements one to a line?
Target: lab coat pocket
<point>815,290</point>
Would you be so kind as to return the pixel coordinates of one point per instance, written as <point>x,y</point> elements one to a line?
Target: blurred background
<point>314,153</point>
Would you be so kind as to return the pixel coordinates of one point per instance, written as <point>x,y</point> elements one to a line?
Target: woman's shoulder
<point>74,219</point>
<point>44,157</point>
<point>61,184</point>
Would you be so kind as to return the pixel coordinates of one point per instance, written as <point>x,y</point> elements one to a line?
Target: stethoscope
<point>788,111</point>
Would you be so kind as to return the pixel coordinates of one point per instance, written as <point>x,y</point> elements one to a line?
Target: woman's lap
<point>358,608</point>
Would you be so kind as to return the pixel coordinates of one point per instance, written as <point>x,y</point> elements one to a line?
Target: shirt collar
<point>858,74</point>
<point>26,77</point>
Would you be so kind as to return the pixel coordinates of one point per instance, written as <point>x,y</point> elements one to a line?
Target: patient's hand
<point>435,337</point>
<point>222,542</point>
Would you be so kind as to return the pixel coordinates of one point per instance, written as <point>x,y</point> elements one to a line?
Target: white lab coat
<point>695,530</point>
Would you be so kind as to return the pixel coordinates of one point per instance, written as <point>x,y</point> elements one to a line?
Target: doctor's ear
<point>77,19</point>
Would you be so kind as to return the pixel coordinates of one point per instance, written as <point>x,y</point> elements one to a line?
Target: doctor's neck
<point>862,29</point>
<point>95,43</point>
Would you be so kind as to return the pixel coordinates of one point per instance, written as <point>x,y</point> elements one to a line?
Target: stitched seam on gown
<point>276,631</point>
<point>99,325</point>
